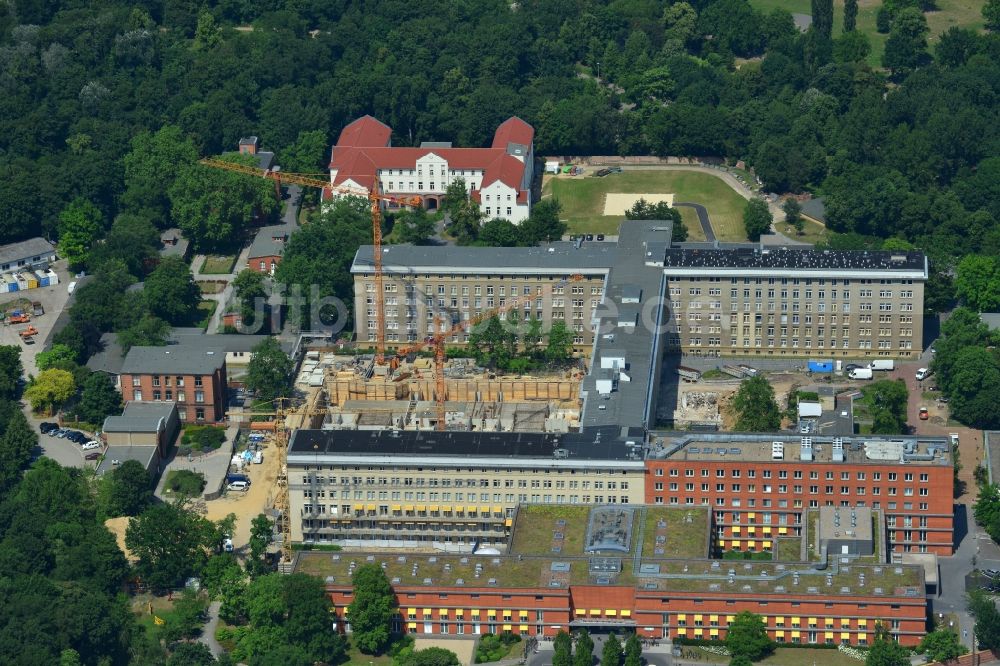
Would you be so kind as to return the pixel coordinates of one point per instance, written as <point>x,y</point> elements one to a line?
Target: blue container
<point>820,366</point>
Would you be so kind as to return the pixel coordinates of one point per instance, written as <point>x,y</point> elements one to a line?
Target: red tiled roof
<point>508,170</point>
<point>362,151</point>
<point>365,131</point>
<point>513,130</point>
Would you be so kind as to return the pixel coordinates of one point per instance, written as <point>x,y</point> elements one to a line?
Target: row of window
<point>477,290</point>
<point>168,395</point>
<point>794,281</point>
<point>796,474</point>
<point>466,483</point>
<point>166,379</point>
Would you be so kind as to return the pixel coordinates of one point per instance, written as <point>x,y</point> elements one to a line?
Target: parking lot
<point>53,300</point>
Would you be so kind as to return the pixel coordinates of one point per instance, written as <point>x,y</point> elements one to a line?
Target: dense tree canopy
<point>755,407</point>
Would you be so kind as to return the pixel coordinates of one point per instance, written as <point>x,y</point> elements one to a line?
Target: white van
<point>241,486</point>
<point>922,374</point>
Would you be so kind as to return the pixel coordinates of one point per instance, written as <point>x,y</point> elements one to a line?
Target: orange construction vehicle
<point>22,318</point>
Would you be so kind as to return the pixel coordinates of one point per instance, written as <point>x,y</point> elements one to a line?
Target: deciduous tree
<point>171,293</point>
<point>583,655</point>
<point>372,609</point>
<point>212,206</point>
<point>57,355</point>
<point>413,225</point>
<point>756,218</point>
<point>633,651</point>
<point>941,645</point>
<point>747,637</point>
<point>10,370</point>
<point>80,224</point>
<point>50,389</point>
<point>130,490</point>
<point>611,653</point>
<point>170,542</point>
<point>887,652</point>
<point>559,343</point>
<point>978,282</point>
<point>887,400</point>
<point>269,372</point>
<point>755,406</point>
<point>98,398</point>
<point>984,610</point>
<point>543,225</point>
<point>499,232</point>
<point>261,535</point>
<point>643,210</point>
<point>151,167</point>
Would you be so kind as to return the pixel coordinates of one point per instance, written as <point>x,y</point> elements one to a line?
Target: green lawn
<point>789,550</point>
<point>582,199</point>
<point>812,232</point>
<point>207,309</point>
<point>961,13</point>
<point>218,264</point>
<point>789,657</point>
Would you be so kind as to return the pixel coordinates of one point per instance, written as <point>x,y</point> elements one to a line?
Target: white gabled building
<point>499,177</point>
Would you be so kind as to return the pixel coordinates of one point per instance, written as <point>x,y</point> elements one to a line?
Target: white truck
<point>882,364</point>
<point>860,373</point>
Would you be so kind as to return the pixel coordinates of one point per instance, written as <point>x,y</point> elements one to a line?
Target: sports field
<point>961,13</point>
<point>583,200</point>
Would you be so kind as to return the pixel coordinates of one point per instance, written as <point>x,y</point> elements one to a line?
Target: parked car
<point>600,237</point>
<point>602,172</point>
<point>241,486</point>
<point>61,433</point>
<point>47,427</point>
<point>923,373</point>
<point>227,545</point>
<point>93,455</point>
<point>615,169</point>
<point>991,573</point>
<point>924,414</point>
<point>590,237</point>
<point>258,458</point>
<point>851,366</point>
<point>92,444</point>
<point>77,436</point>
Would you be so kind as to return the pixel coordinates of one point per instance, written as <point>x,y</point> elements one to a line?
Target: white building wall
<point>500,200</point>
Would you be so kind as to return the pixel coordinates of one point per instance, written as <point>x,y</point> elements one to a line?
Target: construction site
<point>363,395</point>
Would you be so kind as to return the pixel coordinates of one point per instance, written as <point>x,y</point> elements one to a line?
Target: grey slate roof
<point>552,258</point>
<point>815,208</point>
<point>110,358</point>
<point>148,409</point>
<point>174,359</point>
<point>144,454</point>
<point>130,424</point>
<point>26,249</point>
<point>195,339</point>
<point>264,245</point>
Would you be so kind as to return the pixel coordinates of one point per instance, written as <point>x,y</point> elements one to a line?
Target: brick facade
<point>199,398</point>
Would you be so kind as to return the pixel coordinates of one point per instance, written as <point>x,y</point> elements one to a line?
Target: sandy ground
<point>248,504</point>
<point>464,648</point>
<point>616,203</point>
<point>117,526</point>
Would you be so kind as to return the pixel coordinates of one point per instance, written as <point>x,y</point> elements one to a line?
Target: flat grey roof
<point>560,258</point>
<point>174,359</point>
<point>630,403</point>
<point>264,245</point>
<point>26,249</point>
<point>130,424</point>
<point>121,454</point>
<point>149,409</point>
<point>430,445</point>
<point>110,358</point>
<point>991,319</point>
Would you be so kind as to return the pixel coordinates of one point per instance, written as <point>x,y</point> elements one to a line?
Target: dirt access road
<point>970,441</point>
<point>247,505</point>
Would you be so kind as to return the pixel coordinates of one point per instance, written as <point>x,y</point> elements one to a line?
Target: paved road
<point>208,631</point>
<point>706,226</point>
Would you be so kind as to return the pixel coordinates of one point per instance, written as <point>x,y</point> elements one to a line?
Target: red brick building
<point>649,586</point>
<point>193,377</point>
<point>759,486</point>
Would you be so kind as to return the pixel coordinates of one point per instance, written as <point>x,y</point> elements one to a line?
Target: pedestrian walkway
<point>213,466</point>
